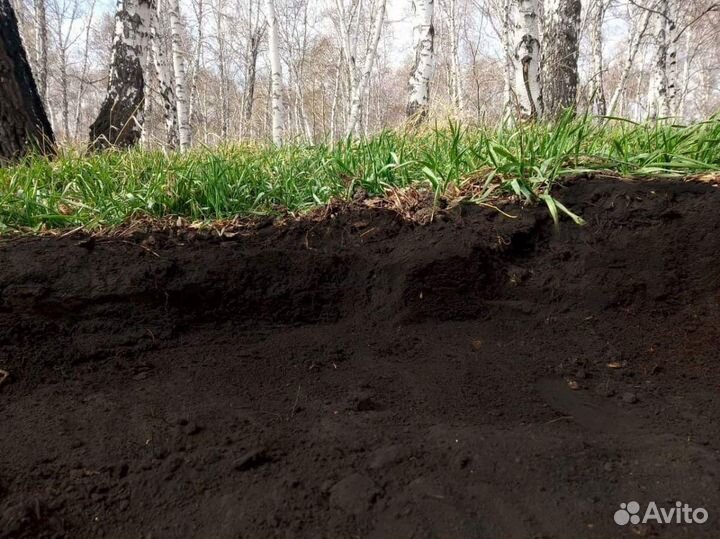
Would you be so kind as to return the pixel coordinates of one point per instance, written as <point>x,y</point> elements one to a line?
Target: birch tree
<point>41,46</point>
<point>348,54</point>
<point>666,89</point>
<point>253,51</point>
<point>597,86</point>
<point>456,86</point>
<point>120,120</point>
<point>23,123</point>
<point>164,75</point>
<point>500,16</point>
<point>326,46</point>
<point>359,80</point>
<point>661,83</point>
<point>84,69</point>
<point>527,95</point>
<point>64,17</point>
<point>222,67</point>
<point>197,62</point>
<point>180,78</point>
<point>422,70</point>
<point>295,39</point>
<point>560,56</point>
<point>278,111</point>
<point>508,38</point>
<point>673,74</point>
<point>255,34</point>
<point>637,35</point>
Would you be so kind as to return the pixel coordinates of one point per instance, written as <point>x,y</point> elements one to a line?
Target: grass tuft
<point>107,189</point>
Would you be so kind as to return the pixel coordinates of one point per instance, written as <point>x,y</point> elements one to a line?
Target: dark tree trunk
<point>23,123</point>
<point>119,122</point>
<point>250,73</point>
<point>560,56</point>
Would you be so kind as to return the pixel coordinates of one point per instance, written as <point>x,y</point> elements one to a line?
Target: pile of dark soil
<point>364,376</point>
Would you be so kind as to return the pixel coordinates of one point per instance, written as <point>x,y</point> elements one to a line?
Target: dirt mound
<point>364,376</point>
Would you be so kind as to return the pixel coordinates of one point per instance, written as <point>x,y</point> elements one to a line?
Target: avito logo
<point>629,513</point>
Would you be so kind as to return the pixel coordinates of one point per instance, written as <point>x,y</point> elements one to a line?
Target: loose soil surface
<point>365,376</point>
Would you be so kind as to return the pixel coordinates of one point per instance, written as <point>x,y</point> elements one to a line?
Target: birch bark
<point>358,88</point>
<point>659,87</point>
<point>673,73</point>
<point>120,120</point>
<point>223,68</point>
<point>180,72</point>
<point>166,87</point>
<point>422,70</point>
<point>560,56</point>
<point>598,103</point>
<point>278,111</point>
<point>41,45</point>
<point>197,62</point>
<point>527,93</point>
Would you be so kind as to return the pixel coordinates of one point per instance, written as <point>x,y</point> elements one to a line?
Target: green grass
<point>107,189</point>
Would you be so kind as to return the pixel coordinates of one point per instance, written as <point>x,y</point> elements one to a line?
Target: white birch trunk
<point>181,101</point>
<point>345,44</point>
<point>276,74</point>
<point>526,91</point>
<point>41,46</point>
<point>673,73</point>
<point>598,103</point>
<point>422,71</point>
<point>222,67</point>
<point>358,89</point>
<point>121,116</point>
<point>164,76</point>
<point>193,97</point>
<point>560,56</point>
<point>508,30</point>
<point>659,90</point>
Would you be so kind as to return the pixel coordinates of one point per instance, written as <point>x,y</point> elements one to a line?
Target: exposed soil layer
<point>364,376</point>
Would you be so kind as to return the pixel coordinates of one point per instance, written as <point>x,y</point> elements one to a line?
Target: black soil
<point>364,376</point>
